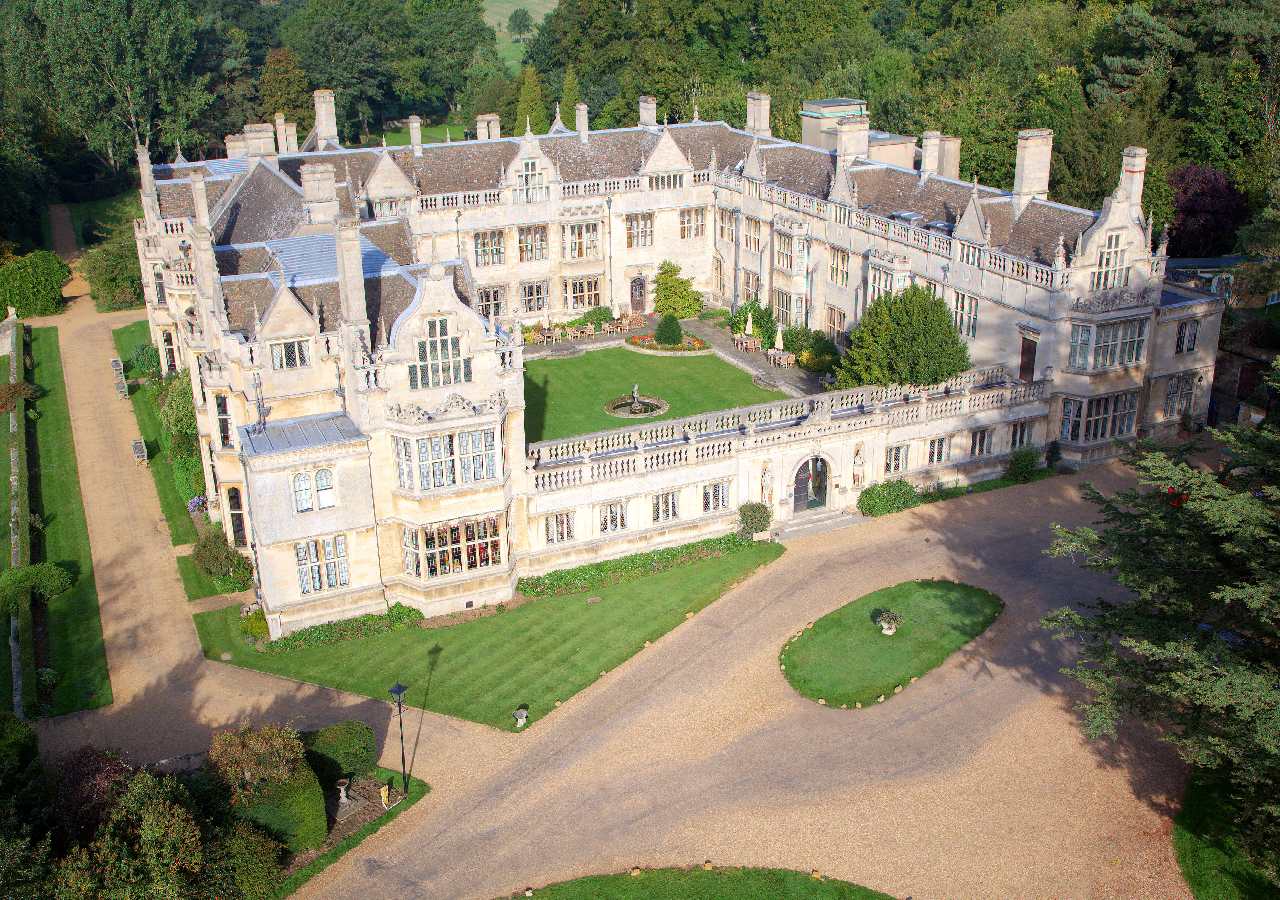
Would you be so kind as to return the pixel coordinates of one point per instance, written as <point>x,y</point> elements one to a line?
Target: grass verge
<point>564,397</point>
<point>708,884</point>
<point>73,627</point>
<point>844,659</point>
<point>197,584</point>
<point>417,790</point>
<point>534,655</point>
<point>145,409</point>
<point>1212,862</point>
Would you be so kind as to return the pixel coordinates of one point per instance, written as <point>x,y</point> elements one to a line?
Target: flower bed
<point>649,342</point>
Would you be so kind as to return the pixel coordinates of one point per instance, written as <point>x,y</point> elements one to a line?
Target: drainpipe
<point>608,250</point>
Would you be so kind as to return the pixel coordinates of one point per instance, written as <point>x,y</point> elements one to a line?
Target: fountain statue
<point>636,406</point>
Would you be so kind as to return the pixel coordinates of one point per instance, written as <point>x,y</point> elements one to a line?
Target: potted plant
<point>888,620</point>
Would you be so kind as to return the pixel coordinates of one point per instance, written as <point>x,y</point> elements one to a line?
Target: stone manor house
<point>350,320</point>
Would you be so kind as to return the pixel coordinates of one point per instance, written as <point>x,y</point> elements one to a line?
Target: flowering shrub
<point>649,342</point>
<point>196,504</point>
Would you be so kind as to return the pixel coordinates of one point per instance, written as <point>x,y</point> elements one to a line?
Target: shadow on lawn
<point>433,660</point>
<point>535,409</point>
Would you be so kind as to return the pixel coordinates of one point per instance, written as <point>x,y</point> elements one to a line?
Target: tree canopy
<point>905,338</point>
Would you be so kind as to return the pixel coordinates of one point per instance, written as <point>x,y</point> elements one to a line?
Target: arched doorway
<point>811,485</point>
<point>638,289</point>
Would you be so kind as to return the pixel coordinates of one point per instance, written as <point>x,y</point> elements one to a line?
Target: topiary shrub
<point>32,284</point>
<point>254,626</point>
<point>178,414</point>
<point>111,269</point>
<point>1023,464</point>
<point>291,811</point>
<point>218,559</point>
<point>668,331</point>
<point>888,497</point>
<point>248,760</point>
<point>754,517</point>
<point>342,750</point>
<point>244,861</point>
<point>1052,454</point>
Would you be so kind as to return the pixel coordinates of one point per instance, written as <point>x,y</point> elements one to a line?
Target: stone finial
<point>528,127</point>
<point>1060,252</point>
<point>179,158</point>
<point>696,117</point>
<point>1162,249</point>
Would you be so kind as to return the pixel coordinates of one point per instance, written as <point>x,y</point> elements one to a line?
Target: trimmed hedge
<point>888,497</point>
<point>188,476</point>
<point>755,517</point>
<point>668,332</point>
<point>628,568</point>
<point>341,750</point>
<point>292,811</point>
<point>397,618</point>
<point>1023,464</point>
<point>32,284</point>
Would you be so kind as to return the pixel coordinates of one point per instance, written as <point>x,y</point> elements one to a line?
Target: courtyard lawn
<point>844,659</point>
<point>143,397</point>
<point>1211,861</point>
<point>543,651</point>
<point>73,628</point>
<point>566,397</point>
<point>708,884</point>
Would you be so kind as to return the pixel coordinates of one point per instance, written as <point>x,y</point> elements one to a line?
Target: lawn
<point>708,884</point>
<point>844,659</point>
<point>143,397</point>
<point>431,134</point>
<point>197,584</point>
<point>564,397</point>
<point>105,213</point>
<point>74,630</point>
<point>496,13</point>
<point>1211,861</point>
<point>543,651</point>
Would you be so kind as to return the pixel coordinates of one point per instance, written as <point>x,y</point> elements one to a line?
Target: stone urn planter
<point>888,622</point>
<point>343,784</point>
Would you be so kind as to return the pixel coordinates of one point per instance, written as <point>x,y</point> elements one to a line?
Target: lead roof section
<point>302,433</point>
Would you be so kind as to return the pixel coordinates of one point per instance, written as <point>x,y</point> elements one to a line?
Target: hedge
<point>888,497</point>
<point>395,619</point>
<point>755,517</point>
<point>1023,464</point>
<point>341,750</point>
<point>292,811</point>
<point>628,568</point>
<point>669,331</point>
<point>32,284</point>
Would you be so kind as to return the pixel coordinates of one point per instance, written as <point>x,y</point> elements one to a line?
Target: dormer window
<point>530,183</point>
<point>665,182</point>
<point>440,360</point>
<point>290,355</point>
<point>1113,271</point>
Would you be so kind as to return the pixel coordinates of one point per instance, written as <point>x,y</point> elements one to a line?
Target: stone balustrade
<point>609,455</point>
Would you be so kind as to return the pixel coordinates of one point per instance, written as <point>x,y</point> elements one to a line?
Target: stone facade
<point>350,319</point>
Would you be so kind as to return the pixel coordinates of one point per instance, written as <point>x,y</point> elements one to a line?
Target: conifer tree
<point>570,94</point>
<point>283,88</point>
<point>531,107</point>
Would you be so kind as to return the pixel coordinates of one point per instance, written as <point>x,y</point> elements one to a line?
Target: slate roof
<point>263,204</point>
<point>393,238</point>
<point>301,433</point>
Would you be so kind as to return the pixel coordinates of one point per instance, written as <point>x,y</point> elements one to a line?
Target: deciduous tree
<point>906,338</point>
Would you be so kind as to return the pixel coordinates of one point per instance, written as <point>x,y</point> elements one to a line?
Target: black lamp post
<point>397,691</point>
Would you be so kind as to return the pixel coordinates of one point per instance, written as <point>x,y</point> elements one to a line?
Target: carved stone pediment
<point>455,406</point>
<point>408,413</point>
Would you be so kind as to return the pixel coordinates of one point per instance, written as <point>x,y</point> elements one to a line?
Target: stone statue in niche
<point>766,486</point>
<point>858,462</point>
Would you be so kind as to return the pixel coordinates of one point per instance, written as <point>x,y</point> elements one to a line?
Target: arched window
<point>326,498</point>
<point>302,492</point>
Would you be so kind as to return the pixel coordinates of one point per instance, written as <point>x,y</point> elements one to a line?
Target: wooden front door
<point>1027,367</point>
<point>637,295</point>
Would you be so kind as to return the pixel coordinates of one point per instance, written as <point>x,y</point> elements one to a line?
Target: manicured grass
<point>73,627</point>
<point>109,212</point>
<point>417,790</point>
<point>497,13</point>
<point>844,659</point>
<point>482,670</point>
<point>564,397</point>
<point>981,487</point>
<point>128,339</point>
<point>1211,861</point>
<point>143,397</point>
<point>197,584</point>
<point>708,884</point>
<point>431,134</point>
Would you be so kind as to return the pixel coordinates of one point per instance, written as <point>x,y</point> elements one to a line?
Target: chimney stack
<point>853,140</point>
<point>580,121</point>
<point>282,134</point>
<point>200,198</point>
<point>1132,176</point>
<point>648,111</point>
<point>930,152</point>
<point>488,127</point>
<point>326,117</point>
<point>1031,169</point>
<point>415,134</point>
<point>319,193</point>
<point>351,272</point>
<point>758,114</point>
<point>260,139</point>
<point>949,157</point>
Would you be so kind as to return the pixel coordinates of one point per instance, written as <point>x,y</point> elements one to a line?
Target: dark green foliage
<point>111,268</point>
<point>42,581</point>
<point>754,518</point>
<point>145,362</point>
<point>1023,464</point>
<point>668,331</point>
<point>342,750</point>
<point>628,568</point>
<point>255,625</point>
<point>248,760</point>
<point>763,324</point>
<point>674,295</point>
<point>244,860</point>
<point>1192,648</point>
<point>292,811</point>
<point>218,559</point>
<point>531,104</point>
<point>283,88</point>
<point>1052,454</point>
<point>397,618</point>
<point>814,350</point>
<point>520,23</point>
<point>888,497</point>
<point>906,338</point>
<point>32,284</point>
<point>188,476</point>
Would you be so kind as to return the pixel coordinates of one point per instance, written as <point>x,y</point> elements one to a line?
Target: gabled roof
<point>263,205</point>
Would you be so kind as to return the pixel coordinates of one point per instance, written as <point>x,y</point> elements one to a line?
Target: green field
<point>74,631</point>
<point>1211,860</point>
<point>844,659</point>
<point>482,670</point>
<point>708,884</point>
<point>497,12</point>
<point>431,134</point>
<point>143,397</point>
<point>564,397</point>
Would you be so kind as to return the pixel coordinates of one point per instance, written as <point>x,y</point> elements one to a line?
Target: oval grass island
<point>844,660</point>
<point>708,884</point>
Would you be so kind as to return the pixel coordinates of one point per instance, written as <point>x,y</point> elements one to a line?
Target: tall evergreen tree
<point>531,107</point>
<point>570,95</point>
<point>283,88</point>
